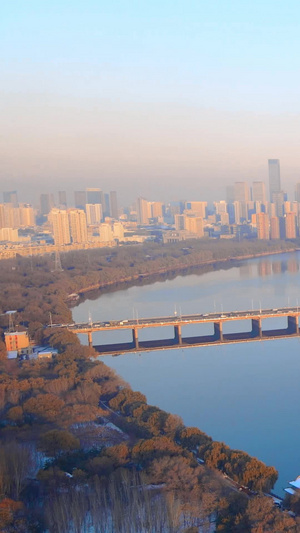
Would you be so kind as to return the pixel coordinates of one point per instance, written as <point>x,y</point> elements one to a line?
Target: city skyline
<point>238,190</point>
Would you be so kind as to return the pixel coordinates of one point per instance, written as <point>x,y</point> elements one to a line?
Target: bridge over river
<point>253,320</point>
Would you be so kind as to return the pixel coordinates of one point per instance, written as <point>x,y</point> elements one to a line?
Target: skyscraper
<point>198,208</point>
<point>62,199</point>
<point>60,226</point>
<point>262,225</point>
<point>241,191</point>
<point>78,226</point>
<point>278,200</point>
<point>46,203</point>
<point>230,194</point>
<point>10,197</point>
<point>93,214</point>
<point>297,192</point>
<point>274,228</point>
<point>259,192</point>
<point>142,211</point>
<point>290,226</point>
<point>241,195</point>
<point>274,177</point>
<point>80,199</point>
<point>94,196</point>
<point>113,205</point>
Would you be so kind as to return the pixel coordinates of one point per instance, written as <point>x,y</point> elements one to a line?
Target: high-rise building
<point>113,204</point>
<point>143,211</point>
<point>179,222</point>
<point>106,206</point>
<point>118,231</point>
<point>224,219</point>
<point>2,216</point>
<point>194,225</point>
<point>78,225</point>
<point>9,234</point>
<point>241,192</point>
<point>93,214</point>
<point>274,177</point>
<point>278,200</point>
<point>27,218</point>
<point>80,199</point>
<point>241,195</point>
<point>262,226</point>
<point>46,203</point>
<point>230,194</point>
<point>10,216</point>
<point>258,207</point>
<point>62,199</point>
<point>94,196</point>
<point>297,192</point>
<point>106,232</point>
<point>237,212</point>
<point>156,210</point>
<point>290,225</point>
<point>10,197</point>
<point>220,207</point>
<point>259,192</point>
<point>60,226</point>
<point>198,208</point>
<point>274,228</point>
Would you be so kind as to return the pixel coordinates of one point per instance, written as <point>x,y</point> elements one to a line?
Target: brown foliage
<point>125,398</point>
<point>8,510</point>
<point>176,472</point>
<point>156,447</point>
<point>44,407</point>
<point>87,393</point>
<point>79,413</point>
<point>56,441</point>
<point>15,414</point>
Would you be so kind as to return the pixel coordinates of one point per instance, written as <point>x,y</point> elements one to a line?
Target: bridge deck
<point>181,320</point>
<point>255,317</point>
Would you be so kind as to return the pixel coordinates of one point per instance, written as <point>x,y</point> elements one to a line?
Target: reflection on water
<point>267,266</point>
<point>246,395</point>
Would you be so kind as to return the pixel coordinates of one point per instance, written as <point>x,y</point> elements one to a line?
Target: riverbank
<point>171,273</point>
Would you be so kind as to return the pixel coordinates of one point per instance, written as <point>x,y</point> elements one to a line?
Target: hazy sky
<point>163,99</point>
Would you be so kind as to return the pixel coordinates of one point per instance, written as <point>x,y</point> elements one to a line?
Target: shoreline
<point>122,283</point>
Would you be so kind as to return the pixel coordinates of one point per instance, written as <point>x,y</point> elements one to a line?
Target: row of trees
<point>151,422</point>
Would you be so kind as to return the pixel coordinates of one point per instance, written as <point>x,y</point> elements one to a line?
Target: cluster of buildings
<point>95,219</point>
<point>18,345</point>
<point>247,212</point>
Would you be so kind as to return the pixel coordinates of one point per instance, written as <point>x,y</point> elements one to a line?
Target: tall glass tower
<point>274,177</point>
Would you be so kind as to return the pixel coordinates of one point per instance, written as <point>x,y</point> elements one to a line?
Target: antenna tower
<point>11,325</point>
<point>57,265</point>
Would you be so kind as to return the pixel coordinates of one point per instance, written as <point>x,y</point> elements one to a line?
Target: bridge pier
<point>90,338</point>
<point>218,331</point>
<point>177,334</point>
<point>256,328</point>
<point>293,326</point>
<point>135,338</point>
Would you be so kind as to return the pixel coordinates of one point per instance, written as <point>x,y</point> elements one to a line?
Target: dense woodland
<point>80,450</point>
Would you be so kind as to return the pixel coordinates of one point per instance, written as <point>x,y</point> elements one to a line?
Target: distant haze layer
<point>161,99</point>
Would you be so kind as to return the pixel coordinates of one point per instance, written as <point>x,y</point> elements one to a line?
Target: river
<point>246,395</point>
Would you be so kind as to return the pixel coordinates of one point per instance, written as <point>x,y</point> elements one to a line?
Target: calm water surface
<point>246,395</point>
